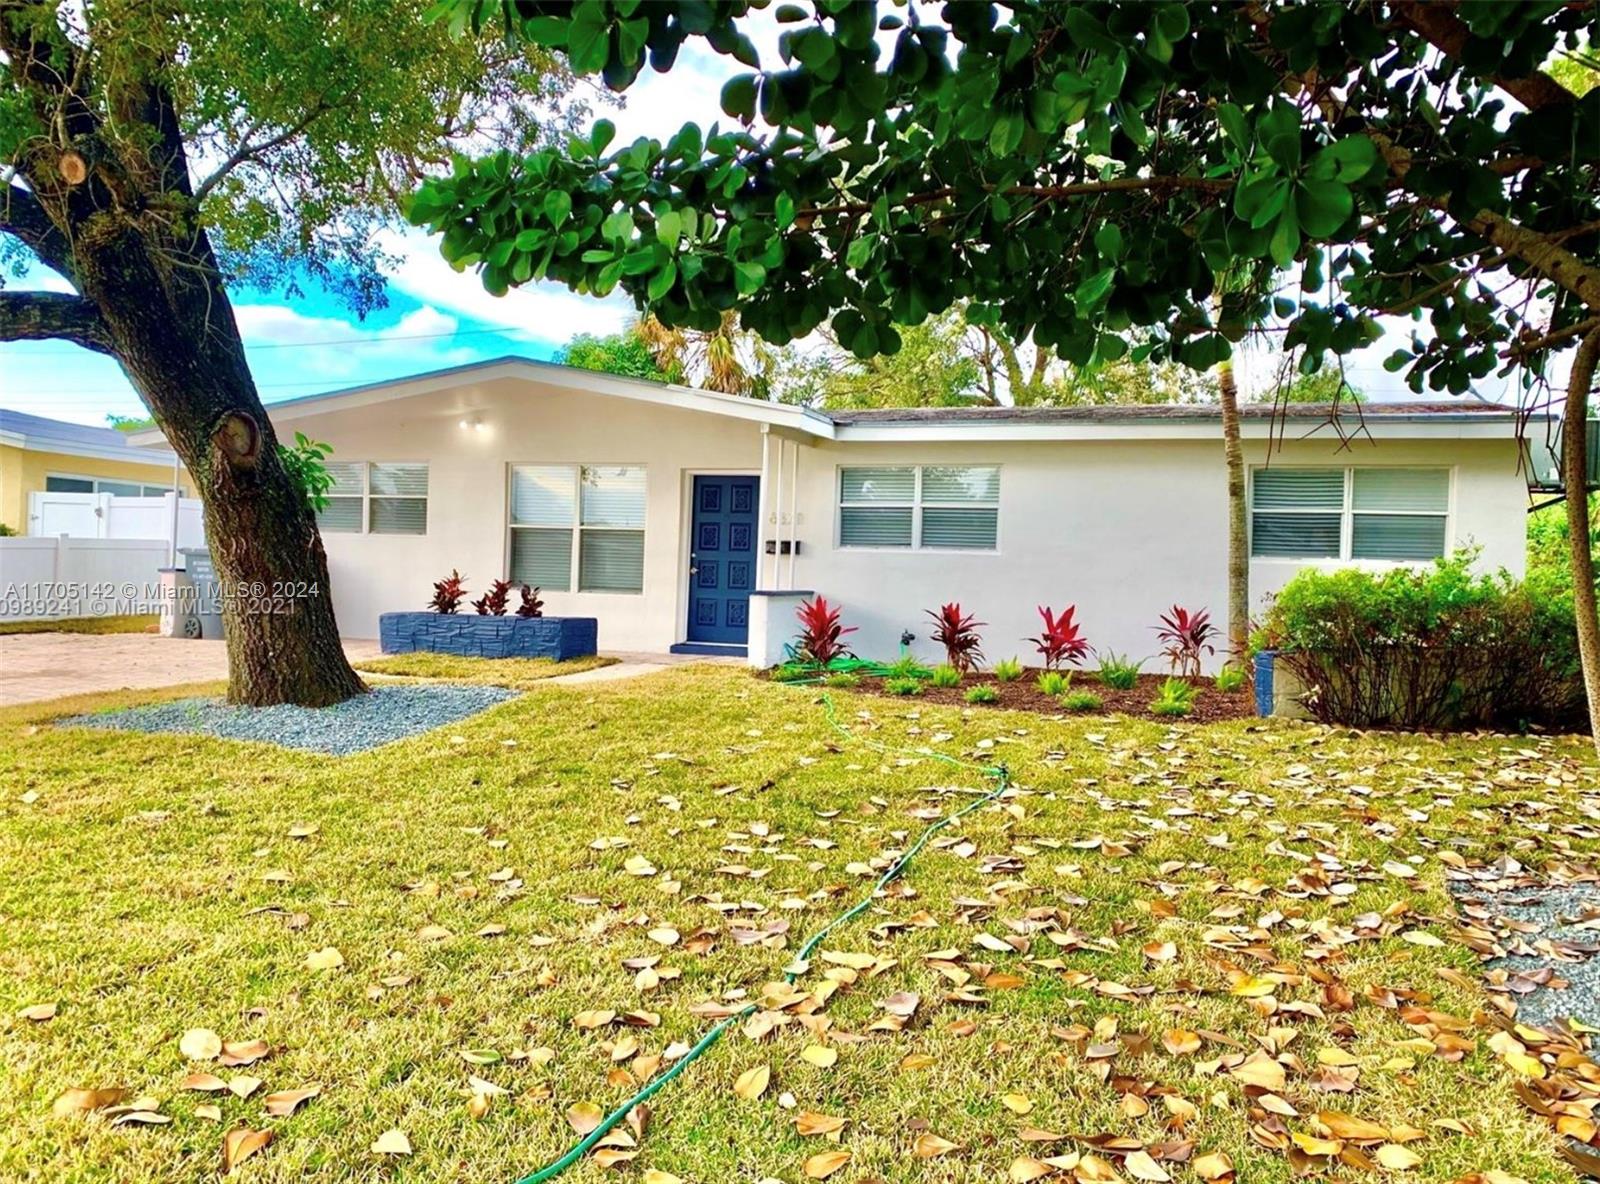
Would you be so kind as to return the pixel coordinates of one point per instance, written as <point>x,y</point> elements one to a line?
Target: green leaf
<point>557,206</point>
<point>860,250</point>
<point>1108,241</point>
<point>739,96</point>
<point>661,282</point>
<point>1355,156</point>
<point>587,43</point>
<point>1094,288</point>
<point>1231,117</point>
<point>669,227</point>
<point>1005,137</point>
<point>1323,206</point>
<point>783,210</point>
<point>601,135</point>
<point>1285,240</point>
<point>748,277</point>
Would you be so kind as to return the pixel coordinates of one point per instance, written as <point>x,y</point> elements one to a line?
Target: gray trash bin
<point>207,597</point>
<point>177,604</point>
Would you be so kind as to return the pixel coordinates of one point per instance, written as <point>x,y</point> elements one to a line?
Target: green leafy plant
<point>1082,701</point>
<point>1176,697</point>
<point>903,686</point>
<point>1008,670</point>
<point>447,593</point>
<point>946,676</point>
<point>1117,671</point>
<point>906,666</point>
<point>840,681</point>
<point>983,694</point>
<point>305,464</point>
<point>1230,679</point>
<point>1054,682</point>
<point>792,672</point>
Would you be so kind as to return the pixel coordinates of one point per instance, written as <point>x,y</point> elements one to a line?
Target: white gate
<point>107,516</point>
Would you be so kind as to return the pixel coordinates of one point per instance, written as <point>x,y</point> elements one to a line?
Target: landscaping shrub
<point>1053,682</point>
<point>1083,701</point>
<point>1176,697</point>
<point>447,593</point>
<point>1184,637</point>
<point>958,633</point>
<point>792,672</point>
<point>531,605</point>
<point>906,666</point>
<point>903,686</point>
<point>983,695</point>
<point>820,631</point>
<point>1117,672</point>
<point>946,676</point>
<point>1061,641</point>
<point>1434,647</point>
<point>1230,679</point>
<point>842,682</point>
<point>493,602</point>
<point>1007,670</point>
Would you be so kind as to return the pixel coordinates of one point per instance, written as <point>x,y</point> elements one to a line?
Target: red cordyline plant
<point>531,605</point>
<point>447,593</point>
<point>1185,636</point>
<point>958,634</point>
<point>493,602</point>
<point>1062,640</point>
<point>820,631</point>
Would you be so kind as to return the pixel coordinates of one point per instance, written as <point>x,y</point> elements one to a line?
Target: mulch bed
<point>1211,706</point>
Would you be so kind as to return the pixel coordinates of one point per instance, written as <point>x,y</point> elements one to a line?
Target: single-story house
<point>40,455</point>
<point>695,521</point>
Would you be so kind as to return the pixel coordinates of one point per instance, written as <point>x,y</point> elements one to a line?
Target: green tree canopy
<point>1075,172</point>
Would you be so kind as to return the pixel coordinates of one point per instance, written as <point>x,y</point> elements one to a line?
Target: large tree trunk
<point>1238,524</point>
<point>1574,479</point>
<point>173,330</point>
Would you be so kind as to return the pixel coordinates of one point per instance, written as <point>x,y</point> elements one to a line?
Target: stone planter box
<point>1278,691</point>
<point>472,636</point>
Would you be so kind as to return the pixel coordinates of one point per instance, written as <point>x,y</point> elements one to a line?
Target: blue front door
<point>722,558</point>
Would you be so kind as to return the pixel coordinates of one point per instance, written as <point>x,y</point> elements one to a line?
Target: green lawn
<point>516,673</point>
<point>124,624</point>
<point>656,845</point>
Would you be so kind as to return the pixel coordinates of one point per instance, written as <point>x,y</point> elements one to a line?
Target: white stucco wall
<point>1121,528</point>
<point>523,423</point>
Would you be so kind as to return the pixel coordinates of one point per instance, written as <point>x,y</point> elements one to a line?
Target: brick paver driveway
<point>36,666</point>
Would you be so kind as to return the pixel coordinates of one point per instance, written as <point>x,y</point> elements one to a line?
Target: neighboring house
<point>39,455</point>
<point>692,519</point>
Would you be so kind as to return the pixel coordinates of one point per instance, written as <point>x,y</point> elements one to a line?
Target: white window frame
<point>916,506</point>
<point>144,486</point>
<point>1347,515</point>
<point>578,528</point>
<point>366,495</point>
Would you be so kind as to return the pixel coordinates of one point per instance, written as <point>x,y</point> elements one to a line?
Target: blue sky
<point>438,318</point>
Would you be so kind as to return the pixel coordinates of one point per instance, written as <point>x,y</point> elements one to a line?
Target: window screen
<point>399,497</point>
<point>928,506</point>
<point>1395,515</point>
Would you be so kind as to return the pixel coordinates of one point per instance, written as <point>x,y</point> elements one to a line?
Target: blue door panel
<point>722,537</point>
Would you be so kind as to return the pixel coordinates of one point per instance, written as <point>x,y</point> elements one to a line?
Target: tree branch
<point>1438,24</point>
<point>22,215</point>
<point>248,151</point>
<point>42,316</point>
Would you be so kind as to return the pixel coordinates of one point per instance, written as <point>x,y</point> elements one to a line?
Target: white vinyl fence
<point>107,516</point>
<point>48,579</point>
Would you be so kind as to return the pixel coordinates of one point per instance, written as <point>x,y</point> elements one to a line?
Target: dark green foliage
<point>1074,171</point>
<point>1434,647</point>
<point>946,676</point>
<point>1176,697</point>
<point>1007,670</point>
<point>1117,672</point>
<point>303,462</point>
<point>906,666</point>
<point>903,686</point>
<point>983,694</point>
<point>626,354</point>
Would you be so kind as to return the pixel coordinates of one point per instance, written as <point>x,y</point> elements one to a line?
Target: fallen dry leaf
<point>240,1144</point>
<point>819,1055</point>
<point>200,1044</point>
<point>81,1101</point>
<point>931,1146</point>
<point>38,1012</point>
<point>286,1102</point>
<point>1261,1070</point>
<point>326,958</point>
<point>392,1142</point>
<point>823,1164</point>
<point>1395,1158</point>
<point>657,1176</point>
<point>752,1083</point>
<point>585,1116</point>
<point>1141,1166</point>
<point>1214,1165</point>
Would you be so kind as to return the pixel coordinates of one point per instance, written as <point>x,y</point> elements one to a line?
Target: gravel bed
<point>381,716</point>
<point>1533,924</point>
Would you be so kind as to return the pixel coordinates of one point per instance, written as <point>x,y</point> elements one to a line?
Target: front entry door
<point>722,558</point>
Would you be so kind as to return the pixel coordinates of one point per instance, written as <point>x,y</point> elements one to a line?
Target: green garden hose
<point>1002,780</point>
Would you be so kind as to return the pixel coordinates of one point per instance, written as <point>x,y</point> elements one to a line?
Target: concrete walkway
<point>39,666</point>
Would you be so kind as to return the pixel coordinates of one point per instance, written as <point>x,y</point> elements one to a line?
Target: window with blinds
<point>920,507</point>
<point>376,498</point>
<point>1395,515</point>
<point>591,513</point>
